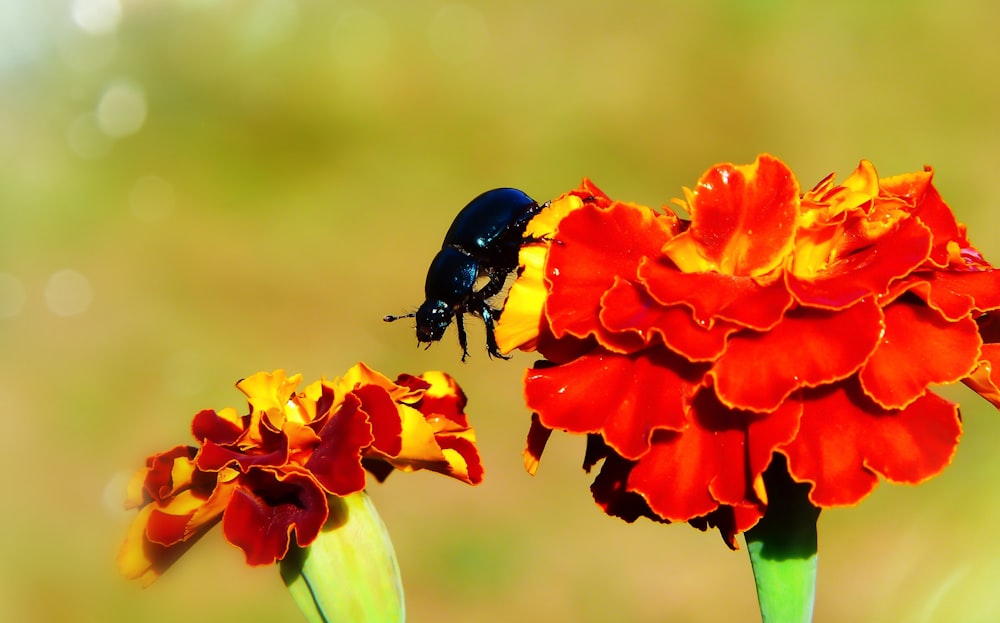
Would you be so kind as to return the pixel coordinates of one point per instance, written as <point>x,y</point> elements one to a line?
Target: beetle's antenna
<point>391,318</point>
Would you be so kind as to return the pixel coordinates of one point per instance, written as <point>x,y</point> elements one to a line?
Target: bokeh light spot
<point>97,17</point>
<point>270,22</point>
<point>68,293</point>
<point>12,295</point>
<point>457,33</point>
<point>122,109</point>
<point>112,496</point>
<point>360,39</point>
<point>151,199</point>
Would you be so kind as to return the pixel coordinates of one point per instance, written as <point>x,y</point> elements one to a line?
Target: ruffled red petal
<point>631,397</point>
<point>627,308</point>
<point>845,442</point>
<point>267,508</point>
<point>713,462</point>
<point>918,348</point>
<point>592,248</point>
<point>958,293</point>
<point>809,347</point>
<point>716,296</point>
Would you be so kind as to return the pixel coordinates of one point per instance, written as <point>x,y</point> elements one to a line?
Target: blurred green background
<point>195,190</point>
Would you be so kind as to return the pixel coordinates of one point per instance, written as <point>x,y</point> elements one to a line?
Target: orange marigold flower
<point>268,474</point>
<point>773,322</point>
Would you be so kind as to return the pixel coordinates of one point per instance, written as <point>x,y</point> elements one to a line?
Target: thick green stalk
<point>349,573</point>
<point>783,550</point>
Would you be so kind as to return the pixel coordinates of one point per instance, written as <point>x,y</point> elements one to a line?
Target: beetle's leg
<point>537,239</point>
<point>463,338</point>
<point>491,289</point>
<point>491,339</point>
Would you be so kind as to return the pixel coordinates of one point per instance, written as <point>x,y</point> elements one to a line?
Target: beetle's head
<point>433,318</point>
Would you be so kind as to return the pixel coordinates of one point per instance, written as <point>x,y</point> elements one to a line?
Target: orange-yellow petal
<point>268,394</point>
<point>522,320</point>
<point>985,379</point>
<point>743,219</point>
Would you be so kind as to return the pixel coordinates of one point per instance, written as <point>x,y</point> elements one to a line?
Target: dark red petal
<point>538,436</point>
<point>467,449</point>
<point>743,217</point>
<point>593,246</point>
<point>444,398</point>
<point>866,272</point>
<point>918,348</point>
<point>167,529</point>
<point>159,482</point>
<point>208,425</point>
<point>336,461</point>
<point>272,452</point>
<point>714,461</point>
<point>845,442</point>
<point>716,296</point>
<point>383,415</point>
<point>730,521</point>
<point>611,492</point>
<point>627,308</point>
<point>623,397</point>
<point>989,328</point>
<point>809,347</point>
<point>267,507</point>
<point>412,382</point>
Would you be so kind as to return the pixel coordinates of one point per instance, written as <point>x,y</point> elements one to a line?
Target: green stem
<point>349,573</point>
<point>782,550</point>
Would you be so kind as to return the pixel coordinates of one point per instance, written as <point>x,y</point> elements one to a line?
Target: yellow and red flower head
<point>808,325</point>
<point>268,474</point>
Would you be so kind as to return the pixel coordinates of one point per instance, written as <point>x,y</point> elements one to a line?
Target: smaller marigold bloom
<point>774,322</point>
<point>268,474</point>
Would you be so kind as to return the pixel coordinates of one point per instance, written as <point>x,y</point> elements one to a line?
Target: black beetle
<point>482,243</point>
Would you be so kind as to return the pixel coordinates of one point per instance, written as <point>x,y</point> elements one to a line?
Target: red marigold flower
<point>268,474</point>
<point>774,322</point>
